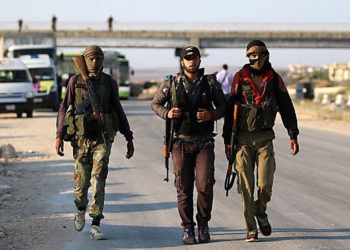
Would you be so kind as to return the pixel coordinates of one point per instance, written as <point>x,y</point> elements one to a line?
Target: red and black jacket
<point>280,94</point>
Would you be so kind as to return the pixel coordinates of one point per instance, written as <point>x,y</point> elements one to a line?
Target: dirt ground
<point>28,217</point>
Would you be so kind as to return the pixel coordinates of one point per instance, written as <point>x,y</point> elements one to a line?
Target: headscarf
<point>94,68</point>
<point>258,65</point>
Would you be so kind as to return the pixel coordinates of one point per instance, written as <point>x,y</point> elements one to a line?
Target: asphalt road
<point>309,208</point>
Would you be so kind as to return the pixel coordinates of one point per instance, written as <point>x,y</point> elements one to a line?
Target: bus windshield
<point>7,76</point>
<point>124,72</point>
<point>21,52</point>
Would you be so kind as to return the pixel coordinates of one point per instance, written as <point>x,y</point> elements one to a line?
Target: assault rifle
<point>169,131</point>
<point>231,175</point>
<point>166,146</point>
<point>80,64</point>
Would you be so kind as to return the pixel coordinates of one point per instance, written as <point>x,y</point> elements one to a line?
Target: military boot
<point>203,234</point>
<point>189,236</point>
<point>79,220</point>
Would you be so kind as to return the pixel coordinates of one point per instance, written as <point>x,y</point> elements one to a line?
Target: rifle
<point>231,175</point>
<point>169,131</point>
<point>79,62</point>
<point>166,151</point>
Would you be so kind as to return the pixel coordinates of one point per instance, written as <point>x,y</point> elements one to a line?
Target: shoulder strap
<point>78,86</point>
<point>105,77</point>
<point>211,78</point>
<point>173,93</point>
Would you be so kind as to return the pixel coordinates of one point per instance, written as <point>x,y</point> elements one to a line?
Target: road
<point>309,208</point>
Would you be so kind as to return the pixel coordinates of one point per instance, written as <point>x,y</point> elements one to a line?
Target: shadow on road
<point>120,196</point>
<point>133,237</point>
<point>314,234</point>
<point>141,207</point>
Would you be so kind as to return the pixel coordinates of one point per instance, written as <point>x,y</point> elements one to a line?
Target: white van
<point>16,88</point>
<point>43,71</point>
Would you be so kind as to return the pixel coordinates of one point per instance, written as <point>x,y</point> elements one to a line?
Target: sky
<point>302,11</point>
<point>208,11</point>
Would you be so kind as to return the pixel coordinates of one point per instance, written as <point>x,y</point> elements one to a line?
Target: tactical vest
<point>200,96</point>
<point>79,126</point>
<point>252,118</point>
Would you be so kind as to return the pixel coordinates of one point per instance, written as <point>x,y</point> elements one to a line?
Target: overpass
<point>177,38</point>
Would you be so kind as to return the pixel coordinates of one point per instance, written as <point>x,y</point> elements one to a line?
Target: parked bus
<point>117,66</point>
<point>114,64</point>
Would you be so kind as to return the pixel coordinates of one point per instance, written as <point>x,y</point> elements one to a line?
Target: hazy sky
<point>319,11</point>
<point>263,11</point>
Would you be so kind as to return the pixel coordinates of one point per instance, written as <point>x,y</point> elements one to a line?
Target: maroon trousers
<point>194,161</point>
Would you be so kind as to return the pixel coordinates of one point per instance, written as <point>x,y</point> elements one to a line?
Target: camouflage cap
<point>93,50</point>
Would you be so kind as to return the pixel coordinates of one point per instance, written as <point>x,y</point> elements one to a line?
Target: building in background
<point>299,70</point>
<point>339,72</point>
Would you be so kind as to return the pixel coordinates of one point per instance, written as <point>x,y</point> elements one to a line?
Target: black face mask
<point>261,71</point>
<point>252,61</point>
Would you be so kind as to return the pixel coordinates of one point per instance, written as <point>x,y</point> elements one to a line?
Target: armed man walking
<point>190,96</point>
<point>260,92</point>
<point>89,117</point>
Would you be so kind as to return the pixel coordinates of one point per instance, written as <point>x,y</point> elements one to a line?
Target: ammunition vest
<point>79,126</point>
<point>200,96</point>
<point>252,118</point>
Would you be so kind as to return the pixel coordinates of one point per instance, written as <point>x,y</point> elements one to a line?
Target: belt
<point>201,138</point>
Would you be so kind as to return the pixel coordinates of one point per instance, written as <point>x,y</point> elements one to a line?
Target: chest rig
<point>190,99</point>
<point>252,117</point>
<point>77,116</point>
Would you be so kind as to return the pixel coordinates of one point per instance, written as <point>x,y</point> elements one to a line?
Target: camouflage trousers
<point>255,148</point>
<point>91,163</point>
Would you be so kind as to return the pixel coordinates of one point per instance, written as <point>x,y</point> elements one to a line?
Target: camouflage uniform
<point>90,154</point>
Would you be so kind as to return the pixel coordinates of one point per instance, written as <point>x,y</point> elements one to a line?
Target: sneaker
<point>264,225</point>
<point>189,236</point>
<point>203,234</point>
<point>252,236</point>
<point>96,233</point>
<point>79,220</point>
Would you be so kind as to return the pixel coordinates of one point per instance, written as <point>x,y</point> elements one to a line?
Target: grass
<point>317,110</point>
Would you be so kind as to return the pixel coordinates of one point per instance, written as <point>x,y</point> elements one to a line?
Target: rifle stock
<point>80,64</point>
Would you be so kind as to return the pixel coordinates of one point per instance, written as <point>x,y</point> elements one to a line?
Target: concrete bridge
<point>178,39</point>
